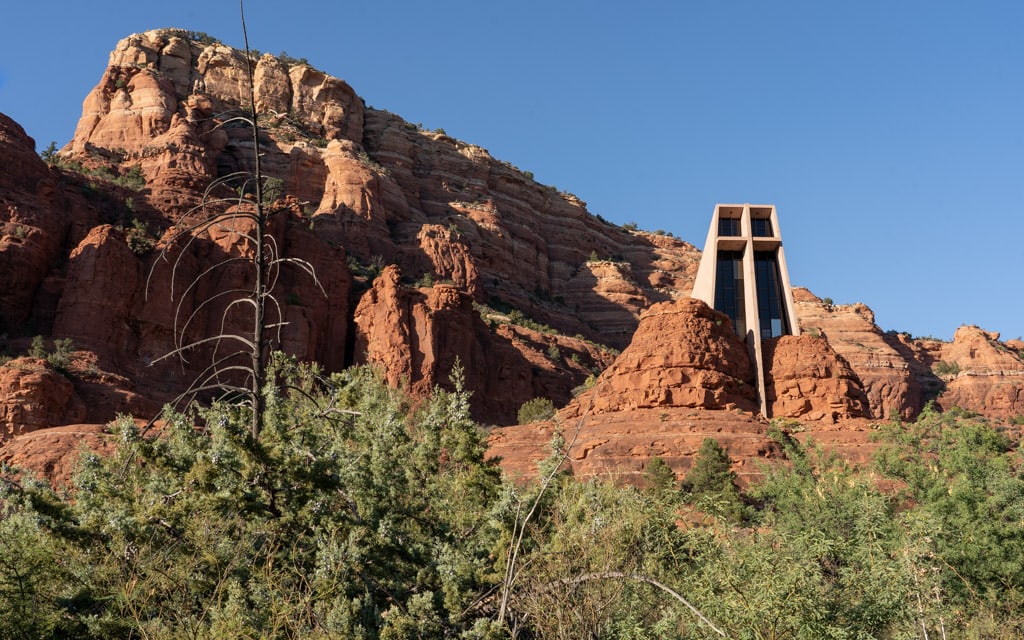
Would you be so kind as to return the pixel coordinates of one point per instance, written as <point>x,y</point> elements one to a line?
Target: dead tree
<point>239,359</point>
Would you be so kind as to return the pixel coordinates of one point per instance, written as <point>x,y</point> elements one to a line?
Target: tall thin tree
<point>239,359</point>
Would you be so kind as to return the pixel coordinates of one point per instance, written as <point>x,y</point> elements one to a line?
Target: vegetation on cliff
<point>360,513</point>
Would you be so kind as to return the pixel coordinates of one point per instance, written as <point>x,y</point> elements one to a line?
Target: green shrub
<point>60,357</point>
<point>554,353</point>
<point>138,239</point>
<point>287,60</point>
<point>711,483</point>
<point>587,385</point>
<point>425,280</point>
<point>49,154</point>
<point>660,478</point>
<point>133,178</point>
<point>536,410</point>
<point>943,368</point>
<point>273,189</point>
<point>38,348</point>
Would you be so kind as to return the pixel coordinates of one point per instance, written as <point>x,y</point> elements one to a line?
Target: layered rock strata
<point>685,377</point>
<point>93,248</point>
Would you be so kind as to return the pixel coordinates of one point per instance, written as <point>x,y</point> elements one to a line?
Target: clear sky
<point>889,133</point>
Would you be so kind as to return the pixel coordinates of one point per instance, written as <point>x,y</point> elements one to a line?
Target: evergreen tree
<point>710,484</point>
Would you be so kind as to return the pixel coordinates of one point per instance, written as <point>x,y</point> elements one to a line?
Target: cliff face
<point>357,189</point>
<point>375,184</point>
<point>428,252</point>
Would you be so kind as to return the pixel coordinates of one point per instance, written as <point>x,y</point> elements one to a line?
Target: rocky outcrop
<point>356,185</point>
<point>54,453</point>
<point>981,372</point>
<point>33,396</point>
<point>619,446</point>
<point>519,267</point>
<point>685,376</point>
<point>885,372</point>
<point>38,219</point>
<point>379,186</point>
<point>418,335</point>
<point>807,380</point>
<point>100,288</point>
<point>683,354</point>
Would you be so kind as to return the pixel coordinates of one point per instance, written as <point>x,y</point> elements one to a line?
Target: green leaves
<point>360,513</point>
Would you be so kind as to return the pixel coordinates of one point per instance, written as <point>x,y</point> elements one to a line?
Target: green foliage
<point>133,178</point>
<point>137,236</point>
<point>60,357</point>
<point>497,308</point>
<point>589,542</point>
<point>273,190</point>
<point>835,534</point>
<point>536,410</point>
<point>631,226</point>
<point>359,513</point>
<point>289,61</point>
<point>965,538</point>
<point>945,369</point>
<point>554,353</point>
<point>710,483</point>
<point>586,386</point>
<point>49,154</point>
<point>197,36</point>
<point>37,349</point>
<point>370,270</point>
<point>371,163</point>
<point>659,478</point>
<point>425,280</point>
<point>354,515</point>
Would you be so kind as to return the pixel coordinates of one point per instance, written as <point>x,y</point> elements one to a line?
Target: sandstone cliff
<point>357,188</point>
<point>428,252</point>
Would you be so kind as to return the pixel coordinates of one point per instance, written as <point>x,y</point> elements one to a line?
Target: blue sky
<point>889,134</point>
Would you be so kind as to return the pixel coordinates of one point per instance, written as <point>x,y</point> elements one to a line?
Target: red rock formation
<point>683,354</point>
<point>54,453</point>
<point>33,396</point>
<point>35,221</point>
<point>806,379</point>
<point>103,279</point>
<point>417,335</point>
<point>884,371</point>
<point>618,446</point>
<point>364,186</point>
<point>379,186</point>
<point>684,377</point>
<point>981,374</point>
<point>362,179</point>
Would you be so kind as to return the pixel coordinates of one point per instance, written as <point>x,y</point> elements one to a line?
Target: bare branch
<point>637,577</point>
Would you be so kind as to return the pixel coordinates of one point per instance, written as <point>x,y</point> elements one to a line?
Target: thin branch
<point>638,577</point>
<point>511,572</point>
